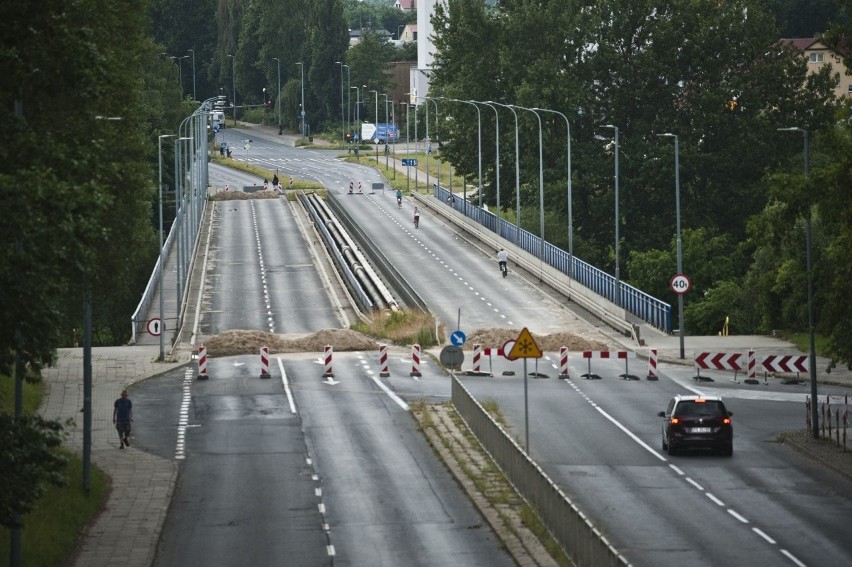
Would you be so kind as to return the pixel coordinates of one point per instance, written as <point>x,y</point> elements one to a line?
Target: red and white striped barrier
<point>785,363</point>
<point>751,374</point>
<point>327,351</point>
<point>202,363</point>
<point>359,186</point>
<point>477,357</point>
<point>415,360</point>
<point>652,364</point>
<point>608,355</point>
<point>264,362</point>
<point>351,185</point>
<point>718,360</point>
<point>563,362</point>
<point>383,361</point>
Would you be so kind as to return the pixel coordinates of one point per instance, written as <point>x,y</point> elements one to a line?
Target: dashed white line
<point>737,515</point>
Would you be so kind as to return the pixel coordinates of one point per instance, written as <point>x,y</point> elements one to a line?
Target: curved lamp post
<point>617,274</point>
<point>497,152</point>
<point>677,235</point>
<point>278,95</point>
<point>478,146</point>
<point>234,86</point>
<point>570,198</point>
<point>517,174</point>
<point>812,354</point>
<point>302,71</point>
<point>540,181</point>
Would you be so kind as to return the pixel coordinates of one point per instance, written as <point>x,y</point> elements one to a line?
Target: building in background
<point>818,55</point>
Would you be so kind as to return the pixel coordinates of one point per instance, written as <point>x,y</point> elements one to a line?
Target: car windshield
<point>700,409</point>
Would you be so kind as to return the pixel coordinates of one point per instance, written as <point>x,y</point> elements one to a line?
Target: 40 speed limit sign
<point>680,284</point>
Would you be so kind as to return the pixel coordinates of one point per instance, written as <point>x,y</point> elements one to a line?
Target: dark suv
<point>697,421</point>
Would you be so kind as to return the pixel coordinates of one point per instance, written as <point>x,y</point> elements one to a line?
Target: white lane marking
<point>286,384</point>
<point>695,484</point>
<point>762,534</point>
<point>792,558</point>
<point>714,499</point>
<point>183,421</point>
<point>738,516</point>
<point>390,394</point>
<point>630,434</point>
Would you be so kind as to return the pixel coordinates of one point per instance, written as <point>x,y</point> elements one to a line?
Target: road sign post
<point>524,347</point>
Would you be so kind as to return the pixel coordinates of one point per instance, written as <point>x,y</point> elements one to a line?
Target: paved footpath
<point>127,531</point>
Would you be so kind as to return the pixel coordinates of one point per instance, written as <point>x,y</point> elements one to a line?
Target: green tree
<point>28,463</point>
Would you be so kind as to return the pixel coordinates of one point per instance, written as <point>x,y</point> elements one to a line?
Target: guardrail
<point>580,539</point>
<point>647,308</point>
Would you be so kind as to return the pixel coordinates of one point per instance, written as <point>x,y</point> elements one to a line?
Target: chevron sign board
<point>718,360</point>
<point>785,363</point>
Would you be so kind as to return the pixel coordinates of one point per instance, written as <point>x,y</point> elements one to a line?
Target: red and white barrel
<point>415,360</point>
<point>328,350</point>
<point>359,186</point>
<point>264,362</point>
<point>563,362</point>
<point>383,361</point>
<point>752,365</point>
<point>202,363</point>
<point>477,357</point>
<point>652,364</point>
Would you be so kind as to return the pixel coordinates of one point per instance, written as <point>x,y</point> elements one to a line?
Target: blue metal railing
<point>653,311</point>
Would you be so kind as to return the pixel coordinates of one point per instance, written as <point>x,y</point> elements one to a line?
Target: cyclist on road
<point>399,198</point>
<point>502,258</point>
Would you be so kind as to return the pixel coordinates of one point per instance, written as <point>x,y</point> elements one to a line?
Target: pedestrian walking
<point>122,415</point>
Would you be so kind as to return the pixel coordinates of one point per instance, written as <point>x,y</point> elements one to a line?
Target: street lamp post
<point>478,146</point>
<point>234,86</point>
<point>193,74</point>
<point>162,291</point>
<point>437,139</point>
<point>348,98</point>
<point>377,123</point>
<point>342,113</point>
<point>179,59</point>
<point>388,131</point>
<point>570,198</point>
<point>407,149</point>
<point>812,346</point>
<point>278,96</point>
<point>617,274</point>
<point>517,174</point>
<point>302,107</point>
<point>497,151</point>
<point>540,182</point>
<point>677,236</point>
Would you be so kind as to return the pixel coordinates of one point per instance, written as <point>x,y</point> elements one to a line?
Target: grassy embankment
<point>51,530</point>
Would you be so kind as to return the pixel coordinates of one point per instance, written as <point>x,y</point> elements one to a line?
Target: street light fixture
<point>179,59</point>
<point>234,86</point>
<point>302,68</point>
<point>438,139</point>
<point>348,98</point>
<point>497,152</point>
<point>812,354</point>
<point>478,145</point>
<point>677,236</point>
<point>570,198</point>
<point>193,73</point>
<point>617,274</point>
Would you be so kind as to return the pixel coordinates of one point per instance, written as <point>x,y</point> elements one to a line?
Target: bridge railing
<point>645,307</point>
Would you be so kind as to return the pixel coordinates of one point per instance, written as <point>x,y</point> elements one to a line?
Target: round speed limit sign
<point>680,284</point>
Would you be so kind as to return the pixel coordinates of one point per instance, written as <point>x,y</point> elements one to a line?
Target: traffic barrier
<point>477,357</point>
<point>351,186</point>
<point>202,363</point>
<point>328,351</point>
<point>415,360</point>
<point>359,186</point>
<point>652,364</point>
<point>751,376</point>
<point>603,354</point>
<point>785,363</point>
<point>717,361</point>
<point>383,361</point>
<point>264,362</point>
<point>563,363</point>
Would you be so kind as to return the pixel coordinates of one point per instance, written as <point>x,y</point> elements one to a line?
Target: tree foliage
<point>28,463</point>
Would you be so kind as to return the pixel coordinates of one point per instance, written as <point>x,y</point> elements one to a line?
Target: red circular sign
<point>507,348</point>
<point>680,284</point>
<point>155,327</point>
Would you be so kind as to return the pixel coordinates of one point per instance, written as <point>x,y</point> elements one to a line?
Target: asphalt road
<point>598,439</point>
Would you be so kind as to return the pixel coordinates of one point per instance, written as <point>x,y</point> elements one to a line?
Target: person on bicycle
<point>398,197</point>
<point>416,217</point>
<point>502,258</point>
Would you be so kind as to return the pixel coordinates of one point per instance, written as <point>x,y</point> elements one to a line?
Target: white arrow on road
<point>331,381</point>
<point>239,364</point>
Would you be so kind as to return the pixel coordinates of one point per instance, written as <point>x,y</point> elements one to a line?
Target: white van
<point>217,117</point>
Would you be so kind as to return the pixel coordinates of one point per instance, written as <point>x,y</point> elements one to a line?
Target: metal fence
<point>580,539</point>
<point>653,311</point>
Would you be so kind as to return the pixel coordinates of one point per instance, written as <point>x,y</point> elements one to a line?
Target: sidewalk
<point>127,530</point>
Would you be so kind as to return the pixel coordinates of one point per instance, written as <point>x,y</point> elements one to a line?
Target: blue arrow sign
<point>457,338</point>
<point>409,161</point>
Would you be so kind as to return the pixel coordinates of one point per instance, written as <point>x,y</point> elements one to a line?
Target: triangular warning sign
<point>525,347</point>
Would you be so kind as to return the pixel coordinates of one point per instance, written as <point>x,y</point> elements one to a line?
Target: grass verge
<point>51,530</point>
<point>401,327</point>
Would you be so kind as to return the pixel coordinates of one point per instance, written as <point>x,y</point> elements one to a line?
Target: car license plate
<point>700,430</point>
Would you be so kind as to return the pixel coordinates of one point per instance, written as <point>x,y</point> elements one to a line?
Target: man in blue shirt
<point>122,415</point>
